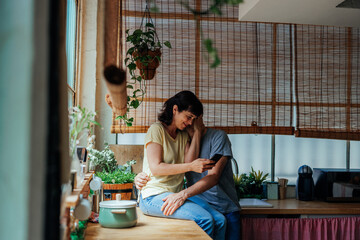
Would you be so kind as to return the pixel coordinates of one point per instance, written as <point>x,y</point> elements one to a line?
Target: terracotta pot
<point>116,84</point>
<point>148,72</point>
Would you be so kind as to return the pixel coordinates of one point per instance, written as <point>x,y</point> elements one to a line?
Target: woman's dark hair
<point>186,101</point>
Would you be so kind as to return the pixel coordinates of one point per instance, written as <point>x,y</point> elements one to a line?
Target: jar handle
<point>122,211</point>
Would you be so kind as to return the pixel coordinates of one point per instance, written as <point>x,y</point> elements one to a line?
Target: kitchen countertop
<point>293,206</point>
<point>148,227</point>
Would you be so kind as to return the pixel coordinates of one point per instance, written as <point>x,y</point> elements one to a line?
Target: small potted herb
<point>250,186</point>
<point>118,181</point>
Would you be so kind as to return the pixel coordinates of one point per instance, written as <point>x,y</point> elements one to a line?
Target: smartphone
<point>216,157</point>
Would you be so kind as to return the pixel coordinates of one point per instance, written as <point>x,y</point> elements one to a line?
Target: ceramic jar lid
<point>118,204</point>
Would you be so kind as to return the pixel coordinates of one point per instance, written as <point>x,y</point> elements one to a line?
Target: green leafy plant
<point>144,54</point>
<point>81,121</point>
<point>259,177</point>
<point>104,159</point>
<point>120,175</point>
<point>250,185</point>
<point>79,232</point>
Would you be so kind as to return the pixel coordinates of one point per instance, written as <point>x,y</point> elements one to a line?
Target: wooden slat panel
<point>229,130</point>
<point>327,59</point>
<point>315,133</point>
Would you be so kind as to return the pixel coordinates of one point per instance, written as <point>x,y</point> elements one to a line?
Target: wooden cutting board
<point>125,153</point>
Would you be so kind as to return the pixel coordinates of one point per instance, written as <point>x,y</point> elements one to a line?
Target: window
<point>266,69</point>
<point>71,30</point>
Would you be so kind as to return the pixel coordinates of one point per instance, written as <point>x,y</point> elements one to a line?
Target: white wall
<point>93,88</point>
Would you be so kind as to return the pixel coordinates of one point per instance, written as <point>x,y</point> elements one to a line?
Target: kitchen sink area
<point>254,203</point>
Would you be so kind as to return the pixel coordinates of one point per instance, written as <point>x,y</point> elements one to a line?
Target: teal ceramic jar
<point>117,214</point>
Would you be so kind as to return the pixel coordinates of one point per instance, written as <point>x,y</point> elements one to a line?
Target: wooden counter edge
<point>293,206</point>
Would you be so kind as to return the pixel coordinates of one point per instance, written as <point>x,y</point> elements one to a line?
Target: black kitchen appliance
<point>305,184</point>
<point>337,184</point>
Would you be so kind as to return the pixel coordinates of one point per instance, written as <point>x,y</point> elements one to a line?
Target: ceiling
<point>315,12</point>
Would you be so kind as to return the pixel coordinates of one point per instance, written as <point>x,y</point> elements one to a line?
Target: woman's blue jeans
<point>196,209</point>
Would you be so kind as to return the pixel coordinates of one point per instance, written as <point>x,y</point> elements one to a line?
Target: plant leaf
<point>149,25</point>
<point>168,44</point>
<point>135,103</point>
<point>132,66</point>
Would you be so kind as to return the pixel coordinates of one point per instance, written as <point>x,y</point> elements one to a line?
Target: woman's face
<point>182,119</point>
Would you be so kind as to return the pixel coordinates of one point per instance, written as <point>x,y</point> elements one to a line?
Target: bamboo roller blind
<point>327,82</point>
<point>254,88</point>
<point>251,86</point>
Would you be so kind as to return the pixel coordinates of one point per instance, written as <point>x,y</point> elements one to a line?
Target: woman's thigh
<point>189,210</point>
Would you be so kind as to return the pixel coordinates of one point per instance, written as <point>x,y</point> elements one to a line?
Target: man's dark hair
<point>186,101</point>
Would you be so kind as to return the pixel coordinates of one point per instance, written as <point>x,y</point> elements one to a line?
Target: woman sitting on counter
<point>168,154</point>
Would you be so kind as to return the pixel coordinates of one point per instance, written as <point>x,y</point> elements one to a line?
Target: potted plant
<point>81,122</point>
<point>250,186</point>
<point>116,179</point>
<point>102,160</point>
<point>144,53</point>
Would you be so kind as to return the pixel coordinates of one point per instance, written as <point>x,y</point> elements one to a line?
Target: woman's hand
<point>141,180</point>
<point>172,202</point>
<point>201,165</point>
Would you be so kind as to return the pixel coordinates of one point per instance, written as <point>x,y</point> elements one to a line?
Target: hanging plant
<point>145,51</point>
<point>144,54</point>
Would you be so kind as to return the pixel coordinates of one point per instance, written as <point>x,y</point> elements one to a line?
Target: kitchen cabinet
<point>293,219</point>
<point>303,208</point>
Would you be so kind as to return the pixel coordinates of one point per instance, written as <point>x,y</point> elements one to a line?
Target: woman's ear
<point>175,109</point>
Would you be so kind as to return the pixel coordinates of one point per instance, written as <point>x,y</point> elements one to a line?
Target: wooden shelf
<point>293,206</point>
<point>73,199</point>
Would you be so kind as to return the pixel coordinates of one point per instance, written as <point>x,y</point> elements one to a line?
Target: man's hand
<point>197,126</point>
<point>141,180</point>
<point>173,202</point>
<point>201,165</point>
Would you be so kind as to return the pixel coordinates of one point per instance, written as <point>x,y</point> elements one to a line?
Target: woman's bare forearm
<point>162,168</point>
<point>193,151</point>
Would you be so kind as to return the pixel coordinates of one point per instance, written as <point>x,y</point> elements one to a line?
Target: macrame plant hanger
<point>148,19</point>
